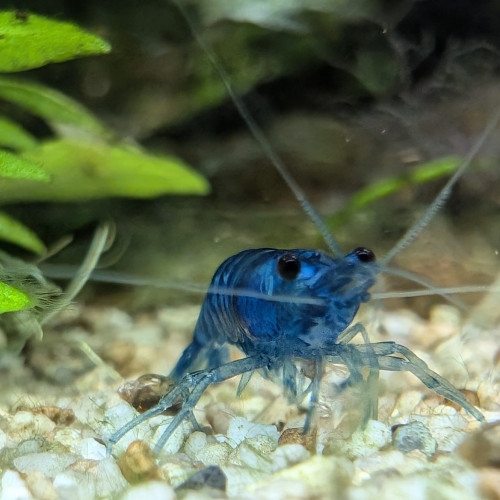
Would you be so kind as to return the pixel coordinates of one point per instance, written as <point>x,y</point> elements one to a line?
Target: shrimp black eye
<point>288,266</point>
<point>364,254</point>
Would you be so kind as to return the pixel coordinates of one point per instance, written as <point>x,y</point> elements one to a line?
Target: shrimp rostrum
<point>280,306</point>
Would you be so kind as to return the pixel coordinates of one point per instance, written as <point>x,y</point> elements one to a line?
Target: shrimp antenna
<point>444,194</point>
<point>259,135</point>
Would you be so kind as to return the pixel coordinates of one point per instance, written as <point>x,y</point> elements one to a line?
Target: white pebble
<point>248,455</point>
<point>153,490</point>
<point>195,443</point>
<point>240,429</point>
<point>214,454</point>
<point>25,425</point>
<point>363,442</point>
<point>90,449</point>
<point>287,455</point>
<point>74,485</point>
<point>109,479</point>
<point>14,488</point>
<point>49,464</point>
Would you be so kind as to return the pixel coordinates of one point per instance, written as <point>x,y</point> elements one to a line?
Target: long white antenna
<point>444,194</point>
<point>260,137</point>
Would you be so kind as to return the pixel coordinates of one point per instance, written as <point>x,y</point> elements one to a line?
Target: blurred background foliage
<point>366,96</point>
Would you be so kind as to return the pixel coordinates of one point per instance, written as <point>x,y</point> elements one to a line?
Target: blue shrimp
<point>317,297</point>
<point>280,306</point>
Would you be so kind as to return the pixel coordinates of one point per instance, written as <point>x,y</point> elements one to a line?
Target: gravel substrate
<point>59,403</point>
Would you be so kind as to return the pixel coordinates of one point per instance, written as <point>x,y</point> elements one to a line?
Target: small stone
<point>60,416</point>
<point>73,484</point>
<point>49,464</point>
<point>105,474</point>
<point>215,454</point>
<point>325,477</point>
<point>147,390</point>
<point>153,490</point>
<point>40,486</point>
<point>364,441</point>
<point>91,449</point>
<point>240,429</point>
<point>14,488</point>
<point>482,449</point>
<point>413,436</point>
<point>210,477</point>
<point>25,425</point>
<point>447,427</point>
<point>489,483</point>
<point>194,444</point>
<point>296,436</point>
<point>175,469</point>
<point>287,455</point>
<point>253,453</point>
<point>138,463</point>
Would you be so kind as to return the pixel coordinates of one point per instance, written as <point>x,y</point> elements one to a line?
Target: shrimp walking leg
<point>386,360</point>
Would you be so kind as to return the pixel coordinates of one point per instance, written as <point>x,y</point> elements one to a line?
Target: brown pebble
<point>138,463</point>
<point>60,416</point>
<point>296,435</point>
<point>147,390</point>
<point>489,483</point>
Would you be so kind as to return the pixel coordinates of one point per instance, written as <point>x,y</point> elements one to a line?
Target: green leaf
<point>12,299</point>
<point>30,41</point>
<point>13,231</point>
<point>16,167</point>
<point>14,136</point>
<point>85,170</point>
<point>65,115</point>
<point>380,189</point>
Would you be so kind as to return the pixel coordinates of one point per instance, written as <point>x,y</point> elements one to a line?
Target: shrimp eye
<point>288,266</point>
<point>364,254</point>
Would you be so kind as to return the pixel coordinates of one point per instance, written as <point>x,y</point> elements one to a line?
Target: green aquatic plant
<point>82,159</point>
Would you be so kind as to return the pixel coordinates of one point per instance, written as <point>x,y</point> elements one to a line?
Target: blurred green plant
<point>380,189</point>
<point>83,159</point>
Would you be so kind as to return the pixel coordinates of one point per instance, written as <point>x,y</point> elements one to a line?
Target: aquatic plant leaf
<point>14,166</point>
<point>14,136</point>
<point>63,114</point>
<point>42,41</point>
<point>12,299</point>
<point>88,170</point>
<point>13,231</point>
<point>380,189</point>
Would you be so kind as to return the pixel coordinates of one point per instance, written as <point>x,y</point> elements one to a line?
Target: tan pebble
<point>13,487</point>
<point>219,415</point>
<point>489,483</point>
<point>250,456</point>
<point>60,416</point>
<point>194,444</point>
<point>138,463</point>
<point>297,436</point>
<point>120,353</point>
<point>40,486</point>
<point>278,489</point>
<point>215,454</point>
<point>153,490</point>
<point>287,455</point>
<point>176,469</point>
<point>25,425</point>
<point>325,477</point>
